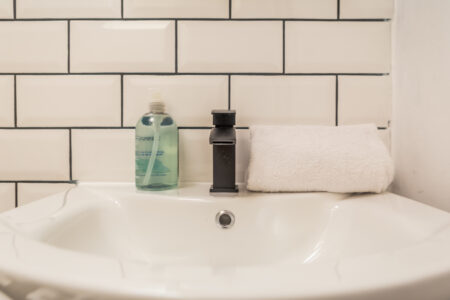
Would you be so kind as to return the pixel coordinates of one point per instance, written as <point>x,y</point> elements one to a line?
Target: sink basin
<point>108,241</point>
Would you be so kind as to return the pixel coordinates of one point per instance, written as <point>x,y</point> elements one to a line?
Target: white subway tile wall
<point>34,154</point>
<point>363,9</point>
<point>75,100</point>
<point>7,196</point>
<point>75,76</point>
<point>68,8</point>
<point>385,135</point>
<point>242,154</point>
<point>338,47</point>
<point>287,9</point>
<point>365,99</point>
<point>6,101</point>
<point>122,46</point>
<point>33,46</point>
<point>195,156</point>
<point>6,9</point>
<point>175,8</point>
<point>230,46</point>
<point>106,155</point>
<point>266,100</point>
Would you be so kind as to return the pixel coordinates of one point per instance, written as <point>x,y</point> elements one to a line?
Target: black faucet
<point>223,139</point>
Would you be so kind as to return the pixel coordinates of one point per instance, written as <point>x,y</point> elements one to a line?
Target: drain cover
<point>225,219</point>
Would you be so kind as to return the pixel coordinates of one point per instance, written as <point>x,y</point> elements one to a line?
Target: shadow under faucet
<point>223,139</point>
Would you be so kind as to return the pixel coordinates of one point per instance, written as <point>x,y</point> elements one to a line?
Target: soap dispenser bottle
<point>156,149</point>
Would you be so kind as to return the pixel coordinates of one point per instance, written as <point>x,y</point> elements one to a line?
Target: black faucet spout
<point>222,135</point>
<point>223,139</point>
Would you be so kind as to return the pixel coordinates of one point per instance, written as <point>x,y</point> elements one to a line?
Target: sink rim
<point>165,287</point>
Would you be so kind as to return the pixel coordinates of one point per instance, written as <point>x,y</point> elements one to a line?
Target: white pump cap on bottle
<point>157,106</point>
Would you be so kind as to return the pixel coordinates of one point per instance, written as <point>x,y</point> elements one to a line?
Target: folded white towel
<point>343,159</point>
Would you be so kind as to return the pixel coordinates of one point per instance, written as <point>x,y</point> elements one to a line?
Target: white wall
<point>421,113</point>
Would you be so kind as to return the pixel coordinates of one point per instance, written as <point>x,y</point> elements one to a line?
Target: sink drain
<point>225,219</point>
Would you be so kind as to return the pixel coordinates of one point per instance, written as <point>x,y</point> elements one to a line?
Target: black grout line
<point>230,4</point>
<point>194,127</point>
<point>201,19</point>
<point>338,9</point>
<point>121,9</point>
<point>68,46</point>
<point>229,92</point>
<point>284,47</point>
<point>70,154</point>
<point>121,100</point>
<point>68,127</point>
<point>14,10</point>
<point>38,181</point>
<point>16,190</point>
<point>201,73</point>
<point>119,128</point>
<point>15,100</point>
<point>337,101</point>
<point>248,127</point>
<point>176,46</point>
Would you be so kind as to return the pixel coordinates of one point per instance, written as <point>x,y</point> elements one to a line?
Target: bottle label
<point>142,160</point>
<point>146,154</point>
<point>145,138</point>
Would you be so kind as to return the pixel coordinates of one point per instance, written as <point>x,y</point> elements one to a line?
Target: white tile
<point>34,154</point>
<point>68,8</point>
<point>176,8</point>
<point>284,9</point>
<point>365,99</point>
<point>189,99</point>
<point>75,100</point>
<point>338,47</point>
<point>385,135</point>
<point>29,192</point>
<point>122,46</point>
<point>195,155</point>
<point>242,154</point>
<point>33,46</point>
<point>6,101</point>
<point>279,100</point>
<point>361,9</point>
<point>7,196</point>
<point>103,155</point>
<point>6,9</point>
<point>230,46</point>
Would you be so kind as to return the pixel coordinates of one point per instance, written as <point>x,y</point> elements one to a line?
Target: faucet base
<point>224,190</point>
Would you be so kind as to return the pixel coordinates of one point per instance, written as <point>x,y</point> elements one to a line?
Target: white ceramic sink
<point>107,241</point>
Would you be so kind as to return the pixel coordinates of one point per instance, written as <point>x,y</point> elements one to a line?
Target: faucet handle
<point>222,117</point>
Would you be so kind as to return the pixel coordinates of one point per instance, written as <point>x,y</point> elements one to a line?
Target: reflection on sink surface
<point>107,241</point>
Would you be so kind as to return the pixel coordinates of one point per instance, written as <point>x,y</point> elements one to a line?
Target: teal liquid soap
<point>156,150</point>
